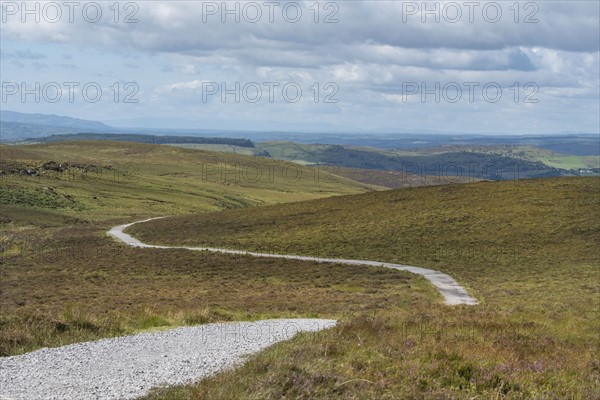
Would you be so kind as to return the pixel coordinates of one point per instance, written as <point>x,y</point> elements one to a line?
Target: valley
<point>526,250</point>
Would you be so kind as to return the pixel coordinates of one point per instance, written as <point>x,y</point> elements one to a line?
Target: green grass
<point>528,153</point>
<point>134,179</point>
<point>37,197</point>
<point>523,218</point>
<point>224,148</point>
<point>67,283</point>
<point>527,250</point>
<point>571,162</point>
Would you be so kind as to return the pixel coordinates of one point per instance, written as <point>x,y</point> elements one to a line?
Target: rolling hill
<point>148,139</point>
<point>555,218</point>
<point>113,179</point>
<point>527,249</point>
<point>16,126</point>
<point>51,120</point>
<point>449,163</point>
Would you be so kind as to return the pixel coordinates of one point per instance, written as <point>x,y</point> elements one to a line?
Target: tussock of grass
<point>37,197</point>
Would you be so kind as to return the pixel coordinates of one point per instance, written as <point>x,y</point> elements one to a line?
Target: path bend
<point>453,293</point>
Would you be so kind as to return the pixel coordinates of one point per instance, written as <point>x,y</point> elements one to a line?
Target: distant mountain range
<point>16,126</point>
<point>52,120</point>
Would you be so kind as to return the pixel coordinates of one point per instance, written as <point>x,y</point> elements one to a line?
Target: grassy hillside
<point>382,178</point>
<point>63,280</point>
<point>115,179</point>
<point>526,249</point>
<point>223,148</point>
<point>556,216</point>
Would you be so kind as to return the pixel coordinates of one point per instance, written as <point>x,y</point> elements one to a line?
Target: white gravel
<point>452,292</point>
<point>128,367</point>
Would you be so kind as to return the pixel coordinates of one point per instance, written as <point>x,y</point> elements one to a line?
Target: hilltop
<point>112,179</point>
<point>555,217</point>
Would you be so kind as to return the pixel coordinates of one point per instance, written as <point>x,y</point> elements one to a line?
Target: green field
<point>528,153</point>
<point>223,148</point>
<point>527,250</point>
<point>571,162</point>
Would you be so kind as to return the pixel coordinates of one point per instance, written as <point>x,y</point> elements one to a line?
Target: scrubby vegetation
<point>37,197</point>
<point>396,179</point>
<point>63,284</point>
<point>526,249</point>
<point>115,179</point>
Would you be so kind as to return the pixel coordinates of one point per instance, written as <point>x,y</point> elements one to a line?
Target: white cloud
<point>373,49</point>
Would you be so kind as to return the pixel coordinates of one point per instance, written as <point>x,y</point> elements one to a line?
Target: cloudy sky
<point>477,67</point>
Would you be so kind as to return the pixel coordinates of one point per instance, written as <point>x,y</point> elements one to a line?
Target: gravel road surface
<point>128,367</point>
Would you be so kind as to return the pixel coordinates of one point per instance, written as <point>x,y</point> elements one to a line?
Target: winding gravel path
<point>453,293</point>
<point>128,367</point>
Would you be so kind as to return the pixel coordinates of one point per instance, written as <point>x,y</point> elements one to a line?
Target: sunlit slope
<point>470,231</point>
<point>116,178</point>
<point>527,250</point>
